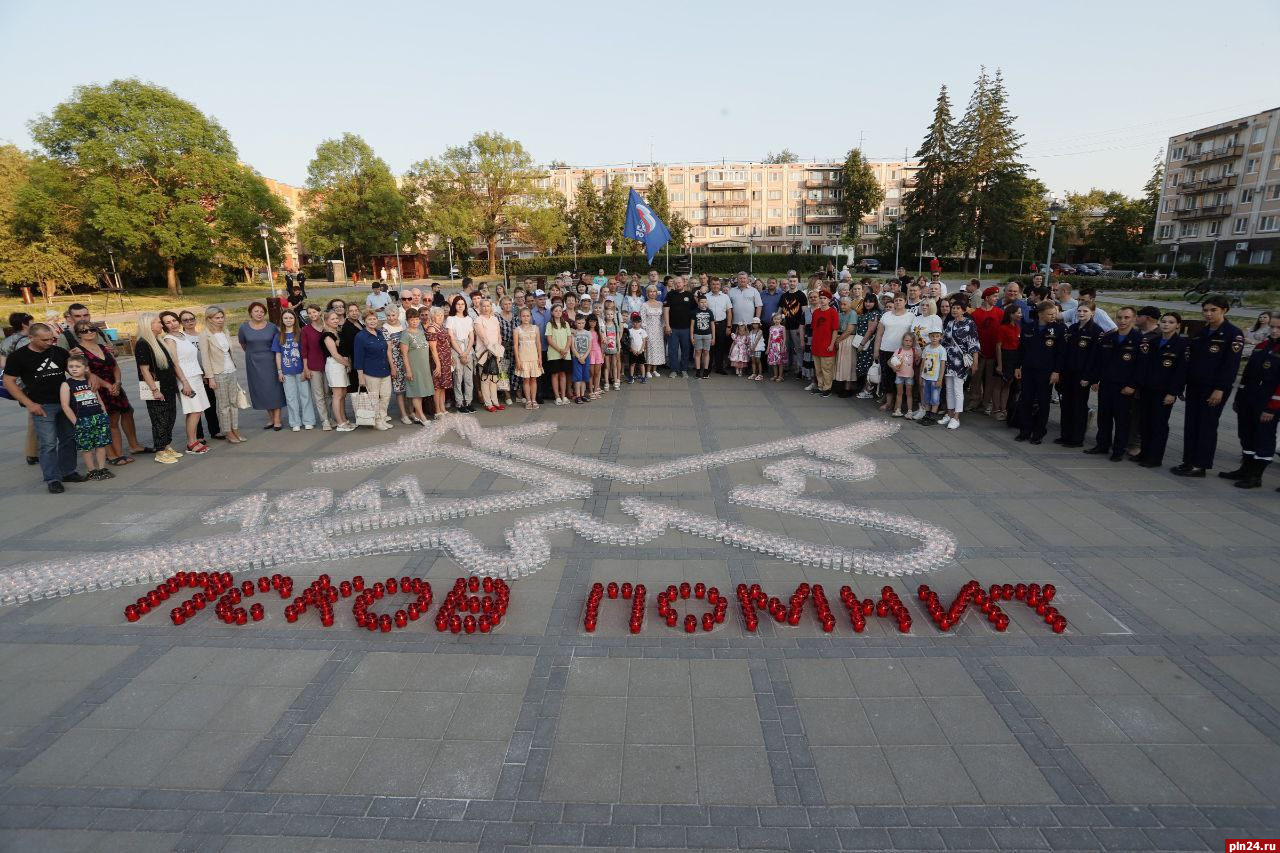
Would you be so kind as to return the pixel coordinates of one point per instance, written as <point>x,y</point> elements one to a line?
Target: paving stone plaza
<point>1151,723</point>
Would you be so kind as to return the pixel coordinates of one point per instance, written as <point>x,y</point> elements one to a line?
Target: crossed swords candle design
<point>314,524</point>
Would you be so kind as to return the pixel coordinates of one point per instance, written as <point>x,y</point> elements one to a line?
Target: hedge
<point>717,263</point>
<point>1179,284</point>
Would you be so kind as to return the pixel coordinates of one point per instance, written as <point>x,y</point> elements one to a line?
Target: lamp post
<point>897,242</point>
<point>449,242</point>
<point>575,254</point>
<point>342,247</point>
<point>751,252</point>
<point>506,280</point>
<point>919,258</point>
<point>1173,271</point>
<point>1054,210</point>
<point>981,238</point>
<point>263,232</point>
<point>395,235</point>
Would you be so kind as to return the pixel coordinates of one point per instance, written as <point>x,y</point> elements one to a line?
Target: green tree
<point>489,184</point>
<point>993,176</point>
<point>351,197</point>
<point>150,168</point>
<point>39,224</point>
<point>613,215</point>
<point>1151,191</point>
<point>586,224</point>
<point>933,209</point>
<point>546,228</point>
<point>862,193</point>
<point>557,164</point>
<point>786,155</point>
<point>1119,234</point>
<point>247,203</point>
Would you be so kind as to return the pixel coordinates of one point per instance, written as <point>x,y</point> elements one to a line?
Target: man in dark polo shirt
<point>677,314</point>
<point>34,375</point>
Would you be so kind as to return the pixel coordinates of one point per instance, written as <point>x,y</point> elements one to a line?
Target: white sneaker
<point>405,420</point>
<point>916,415</point>
<point>955,424</point>
<point>309,426</point>
<point>347,427</point>
<point>863,395</point>
<point>617,386</point>
<point>810,386</point>
<point>297,429</point>
<point>944,420</point>
<point>326,426</point>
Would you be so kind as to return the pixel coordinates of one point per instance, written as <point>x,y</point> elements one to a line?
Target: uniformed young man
<point>1077,370</point>
<point>1164,377</point>
<point>1215,359</point>
<point>1257,406</point>
<point>1116,368</point>
<point>1148,325</point>
<point>1042,348</point>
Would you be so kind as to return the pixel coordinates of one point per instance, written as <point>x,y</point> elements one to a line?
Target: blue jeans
<point>56,440</point>
<point>678,347</point>
<point>297,398</point>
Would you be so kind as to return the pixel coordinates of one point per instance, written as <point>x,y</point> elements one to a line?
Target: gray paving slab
<point>118,736</point>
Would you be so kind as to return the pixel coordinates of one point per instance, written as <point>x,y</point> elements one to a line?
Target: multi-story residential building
<point>764,207</point>
<point>1220,204</point>
<point>292,198</point>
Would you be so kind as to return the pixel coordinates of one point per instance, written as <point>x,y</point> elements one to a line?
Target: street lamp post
<point>897,243</point>
<point>449,242</point>
<point>263,232</point>
<point>342,247</point>
<point>506,280</point>
<point>981,238</point>
<point>395,235</point>
<point>1054,210</point>
<point>751,252</point>
<point>575,254</point>
<point>1173,271</point>
<point>919,258</point>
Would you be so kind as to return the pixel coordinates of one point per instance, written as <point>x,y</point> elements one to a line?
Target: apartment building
<point>765,207</point>
<point>1220,204</point>
<point>292,198</point>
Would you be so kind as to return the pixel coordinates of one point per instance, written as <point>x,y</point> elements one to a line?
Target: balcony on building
<point>910,182</point>
<point>817,217</point>
<point>726,202</point>
<point>813,183</point>
<point>726,218</point>
<point>1220,183</point>
<point>1209,211</point>
<point>1210,132</point>
<point>724,185</point>
<point>1226,151</point>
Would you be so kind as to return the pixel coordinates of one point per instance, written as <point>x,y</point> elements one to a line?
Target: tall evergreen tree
<point>932,209</point>
<point>993,175</point>
<point>1151,197</point>
<point>585,224</point>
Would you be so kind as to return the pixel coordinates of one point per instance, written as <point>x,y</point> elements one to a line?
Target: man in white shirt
<point>1089,296</point>
<point>744,302</point>
<point>942,285</point>
<point>379,299</point>
<point>719,304</point>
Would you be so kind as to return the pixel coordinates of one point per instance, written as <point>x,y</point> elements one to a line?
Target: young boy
<point>84,408</point>
<point>581,353</point>
<point>702,328</point>
<point>933,360</point>
<point>637,340</point>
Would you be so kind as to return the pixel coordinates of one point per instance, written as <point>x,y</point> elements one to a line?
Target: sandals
<point>120,460</point>
<point>142,450</point>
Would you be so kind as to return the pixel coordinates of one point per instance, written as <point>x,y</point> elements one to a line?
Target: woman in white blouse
<point>188,359</point>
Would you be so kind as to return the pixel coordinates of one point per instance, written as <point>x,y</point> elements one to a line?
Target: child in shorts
<point>702,328</point>
<point>611,345</point>
<point>933,360</point>
<point>637,340</point>
<point>904,375</point>
<point>581,357</point>
<point>755,346</point>
<point>83,406</point>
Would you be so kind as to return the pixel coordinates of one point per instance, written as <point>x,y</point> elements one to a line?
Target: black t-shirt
<point>681,305</point>
<point>792,304</point>
<point>165,377</point>
<point>703,322</point>
<point>41,373</point>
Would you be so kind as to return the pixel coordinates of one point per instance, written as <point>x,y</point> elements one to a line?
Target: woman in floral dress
<point>441,359</point>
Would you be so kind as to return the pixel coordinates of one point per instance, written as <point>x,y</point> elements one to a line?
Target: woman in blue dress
<point>265,390</point>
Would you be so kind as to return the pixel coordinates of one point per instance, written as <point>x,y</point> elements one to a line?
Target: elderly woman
<point>265,391</point>
<point>441,359</point>
<point>507,320</point>
<point>415,354</point>
<point>220,372</point>
<point>375,367</point>
<point>651,322</point>
<point>846,352</point>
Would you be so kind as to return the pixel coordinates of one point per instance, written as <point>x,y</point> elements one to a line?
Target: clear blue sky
<point>1097,86</point>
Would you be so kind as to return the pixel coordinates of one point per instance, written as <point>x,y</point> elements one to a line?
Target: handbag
<point>362,402</point>
<point>873,373</point>
<point>242,399</point>
<point>895,361</point>
<point>144,391</point>
<point>490,366</point>
<point>857,341</point>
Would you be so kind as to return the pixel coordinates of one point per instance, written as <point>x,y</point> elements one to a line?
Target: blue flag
<point>644,226</point>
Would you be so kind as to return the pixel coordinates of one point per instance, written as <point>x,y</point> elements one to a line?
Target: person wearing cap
<point>1115,375</point>
<point>826,322</point>
<point>982,376</point>
<point>933,363</point>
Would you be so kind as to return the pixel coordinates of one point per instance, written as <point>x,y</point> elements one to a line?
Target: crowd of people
<point>910,344</point>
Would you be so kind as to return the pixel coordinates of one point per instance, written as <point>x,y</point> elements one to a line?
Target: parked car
<point>1063,269</point>
<point>1088,269</point>
<point>869,265</point>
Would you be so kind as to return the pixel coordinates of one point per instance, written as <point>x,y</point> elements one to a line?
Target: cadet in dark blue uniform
<point>1042,346</point>
<point>1148,325</point>
<point>1164,376</point>
<point>1215,358</point>
<point>1117,367</point>
<point>1077,368</point>
<point>1257,407</point>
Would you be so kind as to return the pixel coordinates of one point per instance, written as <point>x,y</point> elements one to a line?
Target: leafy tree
<point>660,203</point>
<point>150,168</point>
<point>933,209</point>
<point>38,225</point>
<point>1151,197</point>
<point>1119,234</point>
<point>989,148</point>
<point>862,193</point>
<point>247,203</point>
<point>586,224</point>
<point>351,197</point>
<point>613,214</point>
<point>557,164</point>
<point>486,185</point>
<point>546,228</point>
<point>786,155</point>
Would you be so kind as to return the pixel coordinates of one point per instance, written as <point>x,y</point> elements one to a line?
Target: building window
<point>1177,153</point>
<point>1251,166</point>
<point>1240,226</point>
<point>797,194</point>
<point>1275,162</point>
<point>775,177</point>
<point>1260,256</point>
<point>1273,192</point>
<point>891,211</point>
<point>836,194</point>
<point>1259,134</point>
<point>775,195</point>
<point>677,196</point>
<point>699,213</point>
<point>892,192</point>
<point>1166,231</point>
<point>775,213</point>
<point>756,177</point>
<point>1213,229</point>
<point>677,179</point>
<point>1246,196</point>
<point>1189,229</point>
<point>1167,206</point>
<point>1267,224</point>
<point>833,229</point>
<point>814,230</point>
<point>869,229</point>
<point>815,195</point>
<point>755,195</point>
<point>797,177</point>
<point>1175,179</point>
